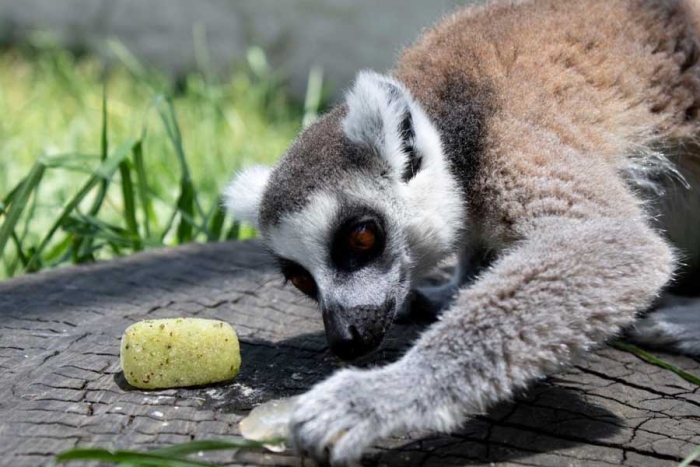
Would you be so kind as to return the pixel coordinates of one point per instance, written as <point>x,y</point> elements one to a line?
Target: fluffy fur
<point>376,105</point>
<point>553,134</point>
<point>674,326</point>
<point>243,195</point>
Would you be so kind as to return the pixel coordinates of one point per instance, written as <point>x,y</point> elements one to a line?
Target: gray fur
<point>481,351</point>
<point>322,158</point>
<point>675,325</point>
<point>523,154</point>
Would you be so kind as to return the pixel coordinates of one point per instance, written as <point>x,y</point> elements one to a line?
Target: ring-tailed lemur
<point>557,134</point>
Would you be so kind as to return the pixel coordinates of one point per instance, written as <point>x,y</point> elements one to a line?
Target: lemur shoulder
<point>559,136</point>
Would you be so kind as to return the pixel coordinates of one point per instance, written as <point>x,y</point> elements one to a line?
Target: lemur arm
<point>569,285</point>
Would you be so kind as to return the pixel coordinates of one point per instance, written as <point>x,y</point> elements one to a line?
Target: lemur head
<point>360,206</point>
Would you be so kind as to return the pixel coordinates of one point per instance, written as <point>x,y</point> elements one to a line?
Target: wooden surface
<point>60,381</point>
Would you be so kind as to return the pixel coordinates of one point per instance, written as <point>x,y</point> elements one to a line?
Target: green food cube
<point>170,353</point>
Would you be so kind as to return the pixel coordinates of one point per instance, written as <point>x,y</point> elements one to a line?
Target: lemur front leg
<point>571,284</point>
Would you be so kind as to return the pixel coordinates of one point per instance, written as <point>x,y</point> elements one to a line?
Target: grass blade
<point>8,198</point>
<point>127,457</point>
<point>216,223</point>
<point>129,60</point>
<point>234,232</point>
<point>21,256</point>
<point>129,203</point>
<point>168,226</point>
<point>9,266</point>
<point>169,119</point>
<point>649,358</point>
<point>104,150</point>
<point>19,201</point>
<point>171,456</point>
<point>71,161</point>
<point>104,142</point>
<point>186,199</point>
<point>58,252</point>
<point>688,460</point>
<point>92,227</point>
<point>314,96</point>
<point>29,216</point>
<point>104,172</point>
<point>146,204</point>
<point>199,228</point>
<point>185,204</point>
<point>213,445</point>
<point>86,244</point>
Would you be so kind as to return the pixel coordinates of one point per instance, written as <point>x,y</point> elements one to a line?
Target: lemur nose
<point>344,339</point>
<point>346,342</point>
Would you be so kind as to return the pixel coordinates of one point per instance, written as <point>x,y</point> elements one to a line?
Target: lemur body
<point>557,134</point>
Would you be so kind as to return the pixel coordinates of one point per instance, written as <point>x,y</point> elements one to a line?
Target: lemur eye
<point>303,281</point>
<point>298,276</point>
<point>362,237</point>
<point>358,242</point>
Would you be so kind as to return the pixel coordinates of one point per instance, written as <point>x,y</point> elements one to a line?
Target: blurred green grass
<point>100,162</point>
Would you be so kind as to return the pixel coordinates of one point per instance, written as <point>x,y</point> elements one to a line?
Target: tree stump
<point>61,386</point>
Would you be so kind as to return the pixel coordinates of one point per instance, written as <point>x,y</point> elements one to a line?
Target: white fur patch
<point>243,195</point>
<point>434,198</point>
<point>374,116</point>
<point>303,236</point>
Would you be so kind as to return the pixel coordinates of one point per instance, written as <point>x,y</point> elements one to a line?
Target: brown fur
<point>576,90</point>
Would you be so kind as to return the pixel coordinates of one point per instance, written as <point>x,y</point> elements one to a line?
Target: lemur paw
<point>339,419</point>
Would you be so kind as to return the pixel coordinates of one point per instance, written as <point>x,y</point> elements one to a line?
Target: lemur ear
<point>243,195</point>
<point>380,115</point>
